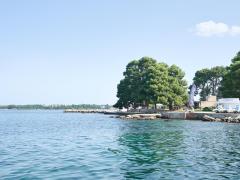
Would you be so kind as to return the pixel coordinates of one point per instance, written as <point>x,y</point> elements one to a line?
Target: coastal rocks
<point>232,120</point>
<point>103,111</point>
<point>225,119</point>
<point>208,118</point>
<point>140,116</point>
<point>81,111</point>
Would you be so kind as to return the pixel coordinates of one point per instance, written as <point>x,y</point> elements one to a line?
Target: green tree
<point>208,81</point>
<point>155,84</point>
<point>129,87</point>
<point>140,84</point>
<point>201,81</point>
<point>148,82</point>
<point>177,89</point>
<point>231,81</point>
<point>216,76</point>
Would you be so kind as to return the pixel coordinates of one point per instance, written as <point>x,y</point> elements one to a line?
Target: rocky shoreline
<point>204,116</point>
<point>228,119</point>
<point>225,119</point>
<point>140,116</point>
<point>88,111</point>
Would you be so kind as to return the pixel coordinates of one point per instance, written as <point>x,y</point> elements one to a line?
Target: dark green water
<point>54,145</point>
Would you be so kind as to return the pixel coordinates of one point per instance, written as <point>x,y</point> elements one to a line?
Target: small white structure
<point>229,104</point>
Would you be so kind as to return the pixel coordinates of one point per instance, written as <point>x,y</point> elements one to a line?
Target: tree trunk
<point>147,104</point>
<point>155,106</point>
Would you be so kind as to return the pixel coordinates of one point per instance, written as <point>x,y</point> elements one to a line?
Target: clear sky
<point>73,51</point>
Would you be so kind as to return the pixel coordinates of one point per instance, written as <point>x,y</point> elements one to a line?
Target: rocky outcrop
<point>103,111</point>
<point>225,119</point>
<point>140,116</point>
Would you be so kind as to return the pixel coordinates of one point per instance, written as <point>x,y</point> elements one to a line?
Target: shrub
<point>207,109</point>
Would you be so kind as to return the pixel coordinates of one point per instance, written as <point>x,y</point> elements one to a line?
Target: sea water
<point>55,145</point>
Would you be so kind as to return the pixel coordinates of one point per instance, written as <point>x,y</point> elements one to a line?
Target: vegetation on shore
<point>223,82</point>
<point>231,81</point>
<point>56,107</point>
<point>147,81</point>
<point>208,81</point>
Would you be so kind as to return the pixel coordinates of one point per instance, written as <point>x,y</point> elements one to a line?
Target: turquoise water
<point>54,145</point>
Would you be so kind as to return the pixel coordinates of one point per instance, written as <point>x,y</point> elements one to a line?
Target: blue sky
<point>64,52</point>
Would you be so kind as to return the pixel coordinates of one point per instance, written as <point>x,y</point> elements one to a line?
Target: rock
<point>225,119</point>
<point>122,117</point>
<point>158,116</point>
<point>238,117</point>
<point>218,120</point>
<point>141,116</point>
<point>208,118</point>
<point>136,116</point>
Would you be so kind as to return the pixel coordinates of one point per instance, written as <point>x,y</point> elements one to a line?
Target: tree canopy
<point>148,82</point>
<point>208,81</point>
<point>231,81</point>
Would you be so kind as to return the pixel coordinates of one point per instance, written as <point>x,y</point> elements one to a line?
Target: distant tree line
<point>223,82</point>
<point>148,82</point>
<point>55,107</point>
<point>208,81</point>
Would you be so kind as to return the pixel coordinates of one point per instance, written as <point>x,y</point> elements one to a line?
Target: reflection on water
<point>147,146</point>
<point>54,145</point>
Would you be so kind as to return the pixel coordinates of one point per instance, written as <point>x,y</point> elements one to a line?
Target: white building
<point>228,103</point>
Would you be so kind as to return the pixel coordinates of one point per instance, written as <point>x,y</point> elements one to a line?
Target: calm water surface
<point>54,145</point>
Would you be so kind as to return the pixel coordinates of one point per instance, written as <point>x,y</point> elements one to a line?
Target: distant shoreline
<point>55,106</point>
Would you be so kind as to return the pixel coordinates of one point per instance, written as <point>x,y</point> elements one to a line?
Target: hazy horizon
<point>74,52</point>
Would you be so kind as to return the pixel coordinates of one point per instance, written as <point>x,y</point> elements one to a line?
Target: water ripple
<point>54,145</point>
